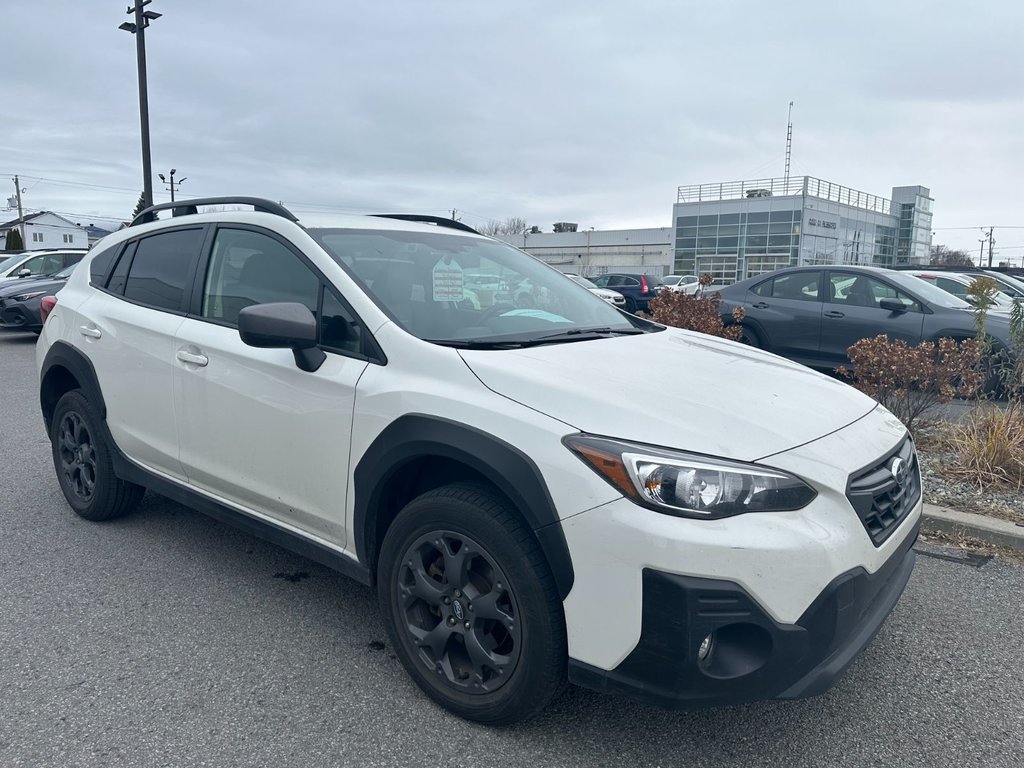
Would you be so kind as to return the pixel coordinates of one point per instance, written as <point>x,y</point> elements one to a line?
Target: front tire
<point>82,461</point>
<point>470,605</point>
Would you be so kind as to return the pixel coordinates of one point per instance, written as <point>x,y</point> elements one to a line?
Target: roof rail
<point>189,207</point>
<point>438,220</point>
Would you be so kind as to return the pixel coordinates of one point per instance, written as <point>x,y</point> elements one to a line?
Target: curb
<point>991,530</point>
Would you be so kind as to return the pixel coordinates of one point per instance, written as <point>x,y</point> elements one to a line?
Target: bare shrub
<point>695,313</point>
<point>988,448</point>
<point>911,381</point>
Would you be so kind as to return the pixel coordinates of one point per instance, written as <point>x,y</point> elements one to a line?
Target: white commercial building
<point>738,229</point>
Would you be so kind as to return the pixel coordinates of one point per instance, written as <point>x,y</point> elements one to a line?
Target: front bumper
<point>19,316</point>
<point>782,574</point>
<point>752,655</point>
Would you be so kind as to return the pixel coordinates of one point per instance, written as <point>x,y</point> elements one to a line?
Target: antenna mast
<point>789,148</point>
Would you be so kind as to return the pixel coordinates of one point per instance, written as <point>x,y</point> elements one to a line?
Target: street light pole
<point>172,184</point>
<point>142,19</point>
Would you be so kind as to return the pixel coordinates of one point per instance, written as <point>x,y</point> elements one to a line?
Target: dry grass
<point>988,447</point>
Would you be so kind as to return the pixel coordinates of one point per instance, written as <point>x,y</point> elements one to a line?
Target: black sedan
<point>813,314</point>
<point>19,302</point>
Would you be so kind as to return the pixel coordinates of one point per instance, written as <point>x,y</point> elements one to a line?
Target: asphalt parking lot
<point>166,639</point>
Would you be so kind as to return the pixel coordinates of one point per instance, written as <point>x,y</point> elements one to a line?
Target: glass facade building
<point>740,229</point>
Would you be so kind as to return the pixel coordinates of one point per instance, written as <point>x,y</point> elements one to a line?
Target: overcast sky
<point>553,111</point>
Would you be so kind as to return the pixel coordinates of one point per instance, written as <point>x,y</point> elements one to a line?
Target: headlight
<point>27,296</point>
<point>687,484</point>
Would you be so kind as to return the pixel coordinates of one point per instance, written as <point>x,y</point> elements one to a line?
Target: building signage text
<point>812,222</point>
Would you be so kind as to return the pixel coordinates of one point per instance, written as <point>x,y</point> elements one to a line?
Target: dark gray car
<point>20,301</point>
<point>814,314</point>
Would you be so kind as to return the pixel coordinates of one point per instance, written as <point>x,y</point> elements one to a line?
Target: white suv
<point>37,263</point>
<point>496,471</point>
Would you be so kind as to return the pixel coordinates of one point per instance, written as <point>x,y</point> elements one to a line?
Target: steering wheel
<point>494,310</point>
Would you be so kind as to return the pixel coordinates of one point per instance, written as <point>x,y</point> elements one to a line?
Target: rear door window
<point>799,286</point>
<point>162,268</point>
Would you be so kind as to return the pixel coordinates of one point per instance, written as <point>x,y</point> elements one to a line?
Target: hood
<point>675,389</point>
<point>604,293</point>
<point>26,284</point>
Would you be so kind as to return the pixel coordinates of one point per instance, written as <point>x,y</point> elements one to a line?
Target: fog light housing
<point>704,651</point>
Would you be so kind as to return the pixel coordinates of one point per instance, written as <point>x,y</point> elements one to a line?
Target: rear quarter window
<point>99,267</point>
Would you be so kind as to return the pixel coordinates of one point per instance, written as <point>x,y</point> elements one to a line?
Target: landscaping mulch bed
<point>943,489</point>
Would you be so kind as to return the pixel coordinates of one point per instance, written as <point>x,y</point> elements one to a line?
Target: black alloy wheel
<point>470,605</point>
<point>459,611</point>
<point>77,456</point>
<point>83,463</point>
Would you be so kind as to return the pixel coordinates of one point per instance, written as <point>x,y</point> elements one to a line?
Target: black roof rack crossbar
<point>438,220</point>
<point>190,207</point>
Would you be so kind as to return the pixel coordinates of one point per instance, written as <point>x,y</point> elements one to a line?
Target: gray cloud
<point>572,110</point>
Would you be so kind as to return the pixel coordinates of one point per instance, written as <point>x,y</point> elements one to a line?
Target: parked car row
<point>814,314</point>
<point>636,289</point>
<point>36,263</point>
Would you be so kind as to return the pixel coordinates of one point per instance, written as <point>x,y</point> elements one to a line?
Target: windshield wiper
<point>587,333</point>
<point>573,334</point>
<point>480,343</point>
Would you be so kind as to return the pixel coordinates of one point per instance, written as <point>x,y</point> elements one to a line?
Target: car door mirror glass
<point>26,272</point>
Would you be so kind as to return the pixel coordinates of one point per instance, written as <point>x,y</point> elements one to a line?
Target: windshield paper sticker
<point>448,280</point>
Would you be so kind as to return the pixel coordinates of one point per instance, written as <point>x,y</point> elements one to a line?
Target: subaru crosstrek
<point>493,470</point>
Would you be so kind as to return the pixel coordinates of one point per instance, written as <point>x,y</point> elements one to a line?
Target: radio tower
<point>789,149</point>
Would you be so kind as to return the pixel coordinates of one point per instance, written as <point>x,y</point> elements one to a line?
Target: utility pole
<point>172,183</point>
<point>990,240</point>
<point>21,212</point>
<point>138,28</point>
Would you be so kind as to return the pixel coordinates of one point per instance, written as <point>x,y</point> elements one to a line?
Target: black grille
<point>880,499</point>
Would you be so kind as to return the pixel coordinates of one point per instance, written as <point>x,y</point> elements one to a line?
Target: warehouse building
<point>597,252</point>
<point>739,229</point>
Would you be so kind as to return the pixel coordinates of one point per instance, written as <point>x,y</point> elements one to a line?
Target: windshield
<point>66,272</point>
<point>927,291</point>
<point>8,262</point>
<point>1009,285</point>
<point>581,281</point>
<point>469,291</point>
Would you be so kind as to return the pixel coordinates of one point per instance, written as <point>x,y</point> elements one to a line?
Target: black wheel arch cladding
<point>416,436</point>
<point>64,356</point>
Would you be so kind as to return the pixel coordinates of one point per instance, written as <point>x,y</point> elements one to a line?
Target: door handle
<point>834,314</point>
<point>760,305</point>
<point>192,358</point>
<point>90,330</point>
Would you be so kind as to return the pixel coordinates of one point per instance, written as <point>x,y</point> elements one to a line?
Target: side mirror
<point>283,325</point>
<point>893,305</point>
<point>26,272</point>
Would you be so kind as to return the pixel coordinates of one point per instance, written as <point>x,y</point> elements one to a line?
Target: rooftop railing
<point>797,185</point>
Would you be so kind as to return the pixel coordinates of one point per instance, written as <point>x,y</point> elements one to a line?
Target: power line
<point>80,184</point>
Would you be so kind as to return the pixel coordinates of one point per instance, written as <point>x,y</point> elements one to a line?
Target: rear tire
<point>470,605</point>
<point>82,461</point>
<point>750,337</point>
<point>630,305</point>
